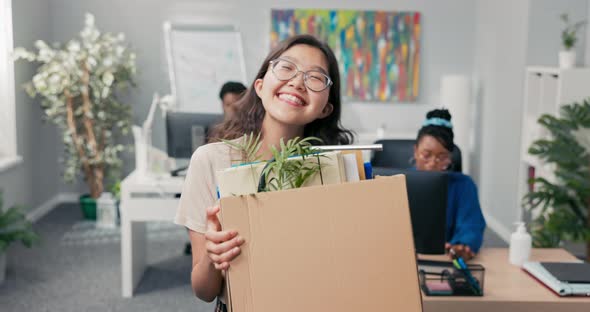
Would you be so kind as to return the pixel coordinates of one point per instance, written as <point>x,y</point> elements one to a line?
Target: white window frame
<point>8,142</point>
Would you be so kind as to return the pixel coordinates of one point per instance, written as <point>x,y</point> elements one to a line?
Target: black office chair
<point>398,154</point>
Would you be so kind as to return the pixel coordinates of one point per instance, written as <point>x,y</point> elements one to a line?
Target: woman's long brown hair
<point>251,112</point>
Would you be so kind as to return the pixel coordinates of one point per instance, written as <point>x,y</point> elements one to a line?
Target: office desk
<point>147,199</point>
<point>507,288</point>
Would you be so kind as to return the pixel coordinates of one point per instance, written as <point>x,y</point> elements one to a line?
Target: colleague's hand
<point>222,246</point>
<point>462,251</point>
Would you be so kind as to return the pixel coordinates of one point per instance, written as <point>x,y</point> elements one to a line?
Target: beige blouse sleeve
<point>198,192</point>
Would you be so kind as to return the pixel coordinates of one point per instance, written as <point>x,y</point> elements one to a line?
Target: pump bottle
<point>520,245</point>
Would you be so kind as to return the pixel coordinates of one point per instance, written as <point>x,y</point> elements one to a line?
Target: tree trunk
<point>96,184</point>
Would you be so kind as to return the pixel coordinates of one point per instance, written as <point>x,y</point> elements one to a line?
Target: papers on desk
<point>561,288</point>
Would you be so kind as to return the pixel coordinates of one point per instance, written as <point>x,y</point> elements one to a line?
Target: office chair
<point>398,154</point>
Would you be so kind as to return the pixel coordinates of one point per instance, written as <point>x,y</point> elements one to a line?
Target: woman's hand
<point>462,251</point>
<point>222,246</point>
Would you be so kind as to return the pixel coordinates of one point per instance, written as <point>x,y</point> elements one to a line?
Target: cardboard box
<point>342,247</point>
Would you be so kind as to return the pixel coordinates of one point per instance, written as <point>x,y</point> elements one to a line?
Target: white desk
<point>151,199</point>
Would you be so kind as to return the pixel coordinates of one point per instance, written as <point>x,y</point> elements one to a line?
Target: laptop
<point>560,287</point>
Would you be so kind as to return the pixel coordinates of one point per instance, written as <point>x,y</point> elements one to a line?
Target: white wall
<point>587,52</point>
<point>545,26</point>
<point>528,34</point>
<point>500,59</point>
<point>33,181</point>
<point>447,44</point>
<point>493,40</point>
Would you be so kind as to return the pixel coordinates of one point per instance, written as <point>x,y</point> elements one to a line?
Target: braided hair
<point>438,125</point>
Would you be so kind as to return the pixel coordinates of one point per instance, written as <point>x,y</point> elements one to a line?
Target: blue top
<point>465,222</point>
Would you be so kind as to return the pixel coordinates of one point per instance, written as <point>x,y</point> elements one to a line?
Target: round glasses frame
<point>306,74</point>
<point>437,159</point>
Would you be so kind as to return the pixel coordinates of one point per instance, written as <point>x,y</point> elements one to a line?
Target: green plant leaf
<point>15,227</point>
<point>562,200</point>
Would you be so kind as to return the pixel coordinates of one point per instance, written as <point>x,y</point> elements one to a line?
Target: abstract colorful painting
<point>378,52</point>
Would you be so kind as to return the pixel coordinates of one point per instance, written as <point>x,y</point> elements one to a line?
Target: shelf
<point>531,160</point>
<point>543,70</point>
<point>546,90</point>
<point>548,70</point>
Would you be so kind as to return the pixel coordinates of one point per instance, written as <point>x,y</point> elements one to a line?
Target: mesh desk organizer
<point>442,278</point>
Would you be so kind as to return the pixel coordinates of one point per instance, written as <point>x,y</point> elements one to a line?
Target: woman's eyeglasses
<point>313,79</point>
<point>443,159</point>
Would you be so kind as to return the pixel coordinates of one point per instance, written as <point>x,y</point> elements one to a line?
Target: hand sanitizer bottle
<point>520,245</point>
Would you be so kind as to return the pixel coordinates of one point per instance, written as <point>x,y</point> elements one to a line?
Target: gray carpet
<point>71,270</point>
<point>57,275</point>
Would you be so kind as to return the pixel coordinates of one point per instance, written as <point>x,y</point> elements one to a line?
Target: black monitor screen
<point>427,196</point>
<point>187,131</point>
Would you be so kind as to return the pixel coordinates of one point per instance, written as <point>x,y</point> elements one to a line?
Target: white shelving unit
<point>546,90</point>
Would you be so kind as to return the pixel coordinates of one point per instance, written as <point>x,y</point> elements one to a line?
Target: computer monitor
<point>187,131</point>
<point>427,196</point>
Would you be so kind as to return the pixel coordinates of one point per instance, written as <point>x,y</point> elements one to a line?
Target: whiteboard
<point>200,60</point>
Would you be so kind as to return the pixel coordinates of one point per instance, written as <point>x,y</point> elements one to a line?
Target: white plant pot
<point>2,267</point>
<point>567,59</point>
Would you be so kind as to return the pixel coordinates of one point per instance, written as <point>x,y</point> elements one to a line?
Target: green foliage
<point>248,147</point>
<point>569,33</point>
<point>15,227</point>
<point>285,173</point>
<point>290,166</point>
<point>562,200</point>
<point>79,84</point>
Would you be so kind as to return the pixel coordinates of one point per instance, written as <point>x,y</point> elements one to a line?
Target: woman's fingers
<point>226,256</point>
<point>219,237</point>
<point>219,248</point>
<point>222,246</point>
<point>213,223</point>
<point>462,251</point>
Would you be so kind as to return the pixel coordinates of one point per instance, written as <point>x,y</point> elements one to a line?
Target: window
<point>8,150</point>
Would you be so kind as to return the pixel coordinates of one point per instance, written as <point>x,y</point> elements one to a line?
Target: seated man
<point>230,93</point>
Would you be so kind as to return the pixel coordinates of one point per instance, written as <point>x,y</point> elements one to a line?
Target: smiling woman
<point>295,94</point>
<point>8,156</point>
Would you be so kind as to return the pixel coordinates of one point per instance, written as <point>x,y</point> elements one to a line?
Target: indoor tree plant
<point>567,57</point>
<point>78,83</point>
<point>13,227</point>
<point>562,202</point>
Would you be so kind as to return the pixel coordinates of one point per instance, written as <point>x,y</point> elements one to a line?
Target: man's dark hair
<point>231,87</point>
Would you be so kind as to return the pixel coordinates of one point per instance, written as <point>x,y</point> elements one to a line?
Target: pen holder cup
<point>453,282</point>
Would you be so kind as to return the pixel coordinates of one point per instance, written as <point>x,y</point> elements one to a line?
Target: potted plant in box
<point>79,84</point>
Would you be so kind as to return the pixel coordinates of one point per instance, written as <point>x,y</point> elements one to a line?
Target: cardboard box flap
<point>343,247</point>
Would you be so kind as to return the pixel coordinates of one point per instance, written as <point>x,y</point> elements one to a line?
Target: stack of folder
<point>335,167</point>
<point>563,278</point>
